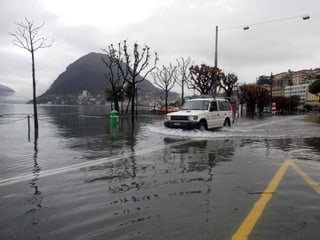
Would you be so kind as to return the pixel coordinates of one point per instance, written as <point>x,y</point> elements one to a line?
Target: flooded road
<point>87,178</point>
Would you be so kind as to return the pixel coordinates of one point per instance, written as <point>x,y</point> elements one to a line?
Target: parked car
<point>201,113</point>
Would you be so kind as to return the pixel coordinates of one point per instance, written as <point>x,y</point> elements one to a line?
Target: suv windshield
<point>196,105</point>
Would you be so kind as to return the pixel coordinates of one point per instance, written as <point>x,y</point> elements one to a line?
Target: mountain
<point>6,91</point>
<point>7,95</point>
<point>87,73</point>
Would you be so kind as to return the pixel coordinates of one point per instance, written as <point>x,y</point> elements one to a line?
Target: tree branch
<point>27,36</point>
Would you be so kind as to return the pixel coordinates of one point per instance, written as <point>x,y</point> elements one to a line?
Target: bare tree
<point>228,83</point>
<point>27,36</point>
<point>134,69</point>
<point>165,79</point>
<point>183,74</point>
<point>253,94</point>
<point>204,79</point>
<point>114,77</point>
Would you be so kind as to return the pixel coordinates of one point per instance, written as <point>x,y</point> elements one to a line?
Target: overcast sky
<point>173,28</point>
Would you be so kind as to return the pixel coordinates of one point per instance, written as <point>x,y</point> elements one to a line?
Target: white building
<point>297,90</point>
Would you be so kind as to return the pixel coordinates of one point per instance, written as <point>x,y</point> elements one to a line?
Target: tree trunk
<point>166,100</point>
<point>116,103</point>
<point>133,99</point>
<point>182,93</point>
<point>35,112</point>
<point>128,105</point>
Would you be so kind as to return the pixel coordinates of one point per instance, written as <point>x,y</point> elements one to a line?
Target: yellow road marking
<point>308,179</point>
<point>250,221</point>
<point>310,163</point>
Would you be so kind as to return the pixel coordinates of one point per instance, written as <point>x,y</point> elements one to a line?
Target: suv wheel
<point>226,122</point>
<point>202,126</point>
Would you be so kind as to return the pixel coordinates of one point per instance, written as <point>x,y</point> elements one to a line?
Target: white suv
<point>202,113</point>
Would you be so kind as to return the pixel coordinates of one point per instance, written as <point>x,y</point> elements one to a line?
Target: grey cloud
<point>180,29</point>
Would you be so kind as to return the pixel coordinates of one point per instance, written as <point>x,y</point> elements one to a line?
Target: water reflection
<point>180,174</point>
<point>76,121</point>
<point>298,148</point>
<point>88,131</point>
<point>199,155</point>
<point>86,121</point>
<point>36,169</point>
<point>313,143</point>
<point>36,198</point>
<point>193,156</point>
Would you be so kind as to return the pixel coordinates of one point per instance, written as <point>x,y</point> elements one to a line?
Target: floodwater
<point>89,178</point>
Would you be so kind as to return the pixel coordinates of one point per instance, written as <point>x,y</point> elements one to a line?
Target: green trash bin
<point>114,116</point>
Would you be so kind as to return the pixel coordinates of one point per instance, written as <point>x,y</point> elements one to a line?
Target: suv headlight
<point>194,118</point>
<point>168,117</point>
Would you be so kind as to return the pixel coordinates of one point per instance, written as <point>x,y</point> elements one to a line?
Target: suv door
<point>213,116</point>
<point>224,109</point>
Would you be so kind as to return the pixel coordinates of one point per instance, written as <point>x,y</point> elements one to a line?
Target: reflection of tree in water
<point>178,172</point>
<point>296,143</point>
<point>301,148</point>
<point>198,152</point>
<point>91,131</point>
<point>97,136</point>
<point>314,143</point>
<point>36,199</point>
<point>283,144</point>
<point>201,155</point>
<point>121,141</point>
<point>76,121</point>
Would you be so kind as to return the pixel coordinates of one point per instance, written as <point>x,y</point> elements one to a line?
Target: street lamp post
<point>216,49</point>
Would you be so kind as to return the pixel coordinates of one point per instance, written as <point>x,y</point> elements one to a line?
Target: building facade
<point>297,83</point>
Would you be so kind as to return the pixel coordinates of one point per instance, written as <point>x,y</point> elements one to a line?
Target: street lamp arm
<point>246,27</point>
<point>305,17</point>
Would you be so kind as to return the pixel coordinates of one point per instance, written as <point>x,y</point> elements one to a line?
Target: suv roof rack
<point>202,96</point>
<point>208,96</point>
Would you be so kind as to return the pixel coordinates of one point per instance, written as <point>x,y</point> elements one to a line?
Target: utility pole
<point>216,49</point>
